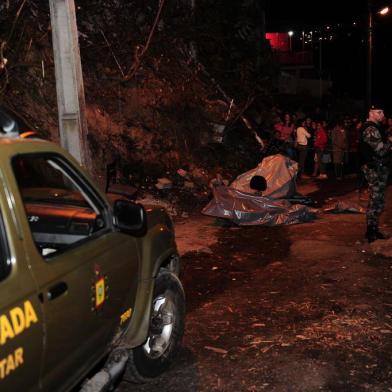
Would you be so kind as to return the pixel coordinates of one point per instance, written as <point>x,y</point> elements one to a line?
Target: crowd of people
<point>349,144</point>
<point>322,148</point>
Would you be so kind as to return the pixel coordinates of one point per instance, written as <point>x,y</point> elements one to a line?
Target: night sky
<point>310,13</point>
<point>345,57</point>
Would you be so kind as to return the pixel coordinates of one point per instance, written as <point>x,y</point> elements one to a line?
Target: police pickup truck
<point>83,282</point>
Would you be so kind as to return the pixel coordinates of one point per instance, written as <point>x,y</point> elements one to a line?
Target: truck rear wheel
<point>165,332</point>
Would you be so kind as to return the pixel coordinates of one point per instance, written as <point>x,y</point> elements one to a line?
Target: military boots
<point>373,234</point>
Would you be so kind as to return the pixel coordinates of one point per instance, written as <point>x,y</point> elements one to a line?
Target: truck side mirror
<point>130,218</point>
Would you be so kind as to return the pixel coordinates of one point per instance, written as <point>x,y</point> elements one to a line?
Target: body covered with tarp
<point>246,209</point>
<point>240,204</point>
<point>280,173</point>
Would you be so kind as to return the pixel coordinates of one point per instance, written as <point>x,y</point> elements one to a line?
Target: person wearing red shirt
<point>287,129</point>
<point>320,144</point>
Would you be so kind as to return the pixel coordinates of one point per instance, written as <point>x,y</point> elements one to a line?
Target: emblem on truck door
<point>99,292</point>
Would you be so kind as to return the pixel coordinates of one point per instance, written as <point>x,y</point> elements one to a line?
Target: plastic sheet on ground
<point>345,207</point>
<point>246,209</point>
<point>280,173</point>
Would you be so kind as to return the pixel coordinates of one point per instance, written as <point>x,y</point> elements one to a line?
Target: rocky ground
<point>305,307</point>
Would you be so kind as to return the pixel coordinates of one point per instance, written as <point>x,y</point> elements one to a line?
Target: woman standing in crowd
<point>320,145</point>
<point>287,131</point>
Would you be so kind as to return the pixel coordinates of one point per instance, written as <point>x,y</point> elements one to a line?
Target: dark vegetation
<point>162,80</point>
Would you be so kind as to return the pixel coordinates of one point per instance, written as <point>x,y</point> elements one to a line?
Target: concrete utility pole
<point>69,80</point>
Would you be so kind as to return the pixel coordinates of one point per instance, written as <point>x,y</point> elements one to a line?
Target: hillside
<point>166,83</point>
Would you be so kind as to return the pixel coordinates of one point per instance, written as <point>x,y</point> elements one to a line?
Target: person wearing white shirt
<point>302,136</point>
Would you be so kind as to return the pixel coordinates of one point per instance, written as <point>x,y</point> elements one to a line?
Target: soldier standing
<point>375,147</point>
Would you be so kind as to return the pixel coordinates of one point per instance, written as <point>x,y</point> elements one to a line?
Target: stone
<point>189,185</point>
<point>164,183</point>
<point>182,172</point>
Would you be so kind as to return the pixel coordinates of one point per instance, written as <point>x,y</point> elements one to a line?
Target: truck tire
<point>165,332</point>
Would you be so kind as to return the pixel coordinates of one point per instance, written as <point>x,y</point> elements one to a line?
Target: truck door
<point>86,273</point>
<point>21,319</point>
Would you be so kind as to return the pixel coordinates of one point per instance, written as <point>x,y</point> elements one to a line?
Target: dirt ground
<point>306,307</point>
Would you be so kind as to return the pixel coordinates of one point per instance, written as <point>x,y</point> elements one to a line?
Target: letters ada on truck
<point>12,324</point>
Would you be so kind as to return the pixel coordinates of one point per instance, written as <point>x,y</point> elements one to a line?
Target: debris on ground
<point>149,200</point>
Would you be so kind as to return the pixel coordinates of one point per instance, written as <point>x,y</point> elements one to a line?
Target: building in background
<point>300,74</point>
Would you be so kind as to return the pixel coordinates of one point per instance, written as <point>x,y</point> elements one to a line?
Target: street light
<point>290,33</point>
<point>383,11</point>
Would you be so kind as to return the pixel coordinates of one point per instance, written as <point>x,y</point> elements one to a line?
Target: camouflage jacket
<point>374,146</point>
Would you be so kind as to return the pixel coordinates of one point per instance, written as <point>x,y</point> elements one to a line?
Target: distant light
<point>354,23</point>
<point>384,11</point>
<point>328,27</point>
<point>290,33</point>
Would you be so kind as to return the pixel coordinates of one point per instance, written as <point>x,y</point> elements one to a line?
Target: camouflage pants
<point>377,181</point>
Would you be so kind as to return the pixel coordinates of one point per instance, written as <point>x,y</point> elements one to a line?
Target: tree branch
<point>112,52</point>
<point>139,56</point>
<point>15,20</point>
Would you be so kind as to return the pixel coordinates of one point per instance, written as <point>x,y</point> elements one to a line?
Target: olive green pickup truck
<point>89,289</point>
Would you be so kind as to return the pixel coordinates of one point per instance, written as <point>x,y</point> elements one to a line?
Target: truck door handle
<point>56,290</point>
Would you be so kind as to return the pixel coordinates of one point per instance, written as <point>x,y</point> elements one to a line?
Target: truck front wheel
<point>165,332</point>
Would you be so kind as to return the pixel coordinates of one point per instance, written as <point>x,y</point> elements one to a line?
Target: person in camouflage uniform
<point>375,150</point>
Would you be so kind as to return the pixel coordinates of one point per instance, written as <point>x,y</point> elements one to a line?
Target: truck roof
<point>10,146</point>
<point>17,139</point>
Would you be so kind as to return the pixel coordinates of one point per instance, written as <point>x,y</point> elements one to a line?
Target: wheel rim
<point>161,327</point>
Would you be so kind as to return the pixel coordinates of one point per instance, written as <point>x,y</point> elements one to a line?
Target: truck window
<point>59,208</point>
<point>5,265</point>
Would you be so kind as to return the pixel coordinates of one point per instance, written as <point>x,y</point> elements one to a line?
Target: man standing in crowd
<point>375,149</point>
<point>339,149</point>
